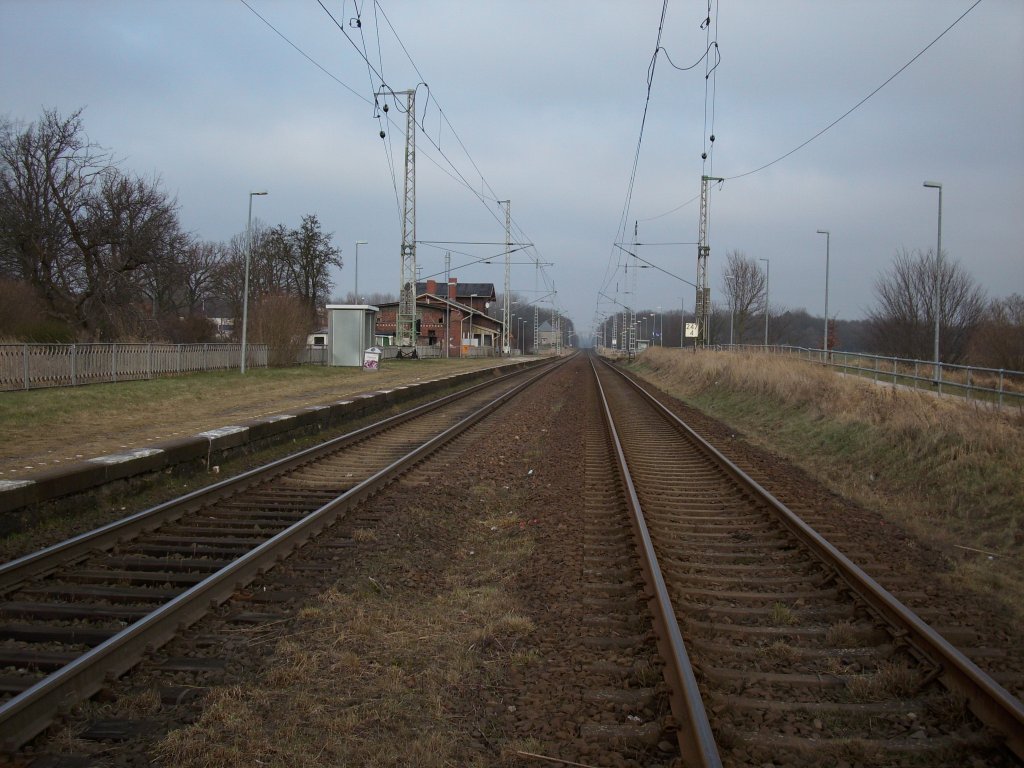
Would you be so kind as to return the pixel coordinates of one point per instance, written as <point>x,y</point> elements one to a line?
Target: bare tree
<point>282,322</point>
<point>200,262</point>
<point>745,284</point>
<point>309,256</point>
<point>999,339</point>
<point>74,226</point>
<point>903,320</point>
<point>47,170</point>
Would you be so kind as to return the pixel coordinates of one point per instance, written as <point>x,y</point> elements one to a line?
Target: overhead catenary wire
<point>484,198</point>
<point>306,56</point>
<point>859,103</point>
<point>610,272</point>
<point>375,69</point>
<point>389,150</point>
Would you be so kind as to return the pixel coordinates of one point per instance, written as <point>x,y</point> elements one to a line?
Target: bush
<point>282,323</point>
<point>23,316</point>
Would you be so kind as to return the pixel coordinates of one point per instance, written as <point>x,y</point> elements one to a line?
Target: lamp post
<point>682,320</point>
<point>938,282</point>
<point>659,321</point>
<point>356,290</point>
<point>828,239</point>
<point>767,280</point>
<point>245,290</point>
<point>472,296</point>
<point>732,306</point>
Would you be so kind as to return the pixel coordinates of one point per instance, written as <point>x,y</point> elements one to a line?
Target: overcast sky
<point>547,97</point>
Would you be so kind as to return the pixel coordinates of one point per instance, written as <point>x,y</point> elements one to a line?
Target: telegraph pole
<point>506,318</point>
<point>703,307</point>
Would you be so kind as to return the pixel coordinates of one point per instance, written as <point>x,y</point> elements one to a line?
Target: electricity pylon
<point>702,311</point>
<point>506,317</point>
<point>405,321</point>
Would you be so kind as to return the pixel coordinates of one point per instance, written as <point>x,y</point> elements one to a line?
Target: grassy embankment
<point>101,417</point>
<point>948,470</point>
<point>45,428</point>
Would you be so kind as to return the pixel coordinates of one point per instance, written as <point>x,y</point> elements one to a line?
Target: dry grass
<point>782,615</point>
<point>841,634</point>
<point>371,671</point>
<point>891,679</point>
<point>948,469</point>
<point>781,651</point>
<point>47,424</point>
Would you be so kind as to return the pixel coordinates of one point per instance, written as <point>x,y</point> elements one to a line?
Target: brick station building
<point>456,316</point>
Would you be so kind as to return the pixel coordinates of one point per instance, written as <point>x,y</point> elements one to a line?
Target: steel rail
<point>989,701</point>
<point>696,741</point>
<point>49,558</point>
<point>27,714</point>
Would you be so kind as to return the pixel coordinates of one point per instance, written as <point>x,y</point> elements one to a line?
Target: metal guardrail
<point>996,385</point>
<point>32,366</point>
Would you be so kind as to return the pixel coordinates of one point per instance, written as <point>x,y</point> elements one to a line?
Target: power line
<point>306,56</point>
<point>859,103</point>
<point>677,208</point>
<point>451,170</point>
<point>627,203</point>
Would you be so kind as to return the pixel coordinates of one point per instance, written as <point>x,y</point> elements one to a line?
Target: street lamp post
<point>767,282</point>
<point>356,290</point>
<point>732,306</point>
<point>938,282</point>
<point>245,289</point>
<point>828,239</point>
<point>682,320</point>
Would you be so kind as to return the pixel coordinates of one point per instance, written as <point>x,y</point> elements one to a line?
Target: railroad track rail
<point>79,612</point>
<point>792,652</point>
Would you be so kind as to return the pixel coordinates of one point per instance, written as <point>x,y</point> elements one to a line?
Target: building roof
<point>429,300</point>
<point>462,290</point>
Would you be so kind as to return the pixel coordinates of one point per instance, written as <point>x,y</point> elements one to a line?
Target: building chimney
<point>432,287</point>
<point>452,284</point>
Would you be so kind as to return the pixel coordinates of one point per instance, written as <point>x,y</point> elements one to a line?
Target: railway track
<point>77,613</point>
<point>730,634</point>
<point>797,655</point>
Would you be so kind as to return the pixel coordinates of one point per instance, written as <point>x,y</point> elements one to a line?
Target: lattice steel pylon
<point>702,311</point>
<point>632,290</point>
<point>506,316</point>
<point>405,321</point>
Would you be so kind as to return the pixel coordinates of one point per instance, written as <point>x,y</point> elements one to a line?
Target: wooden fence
<point>30,366</point>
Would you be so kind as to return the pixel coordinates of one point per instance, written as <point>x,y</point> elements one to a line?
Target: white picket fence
<point>30,366</point>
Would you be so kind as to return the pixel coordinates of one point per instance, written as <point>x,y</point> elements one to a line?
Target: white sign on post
<point>691,330</point>
<point>371,359</point>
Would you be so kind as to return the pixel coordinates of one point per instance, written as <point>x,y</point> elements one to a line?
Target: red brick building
<point>456,316</point>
